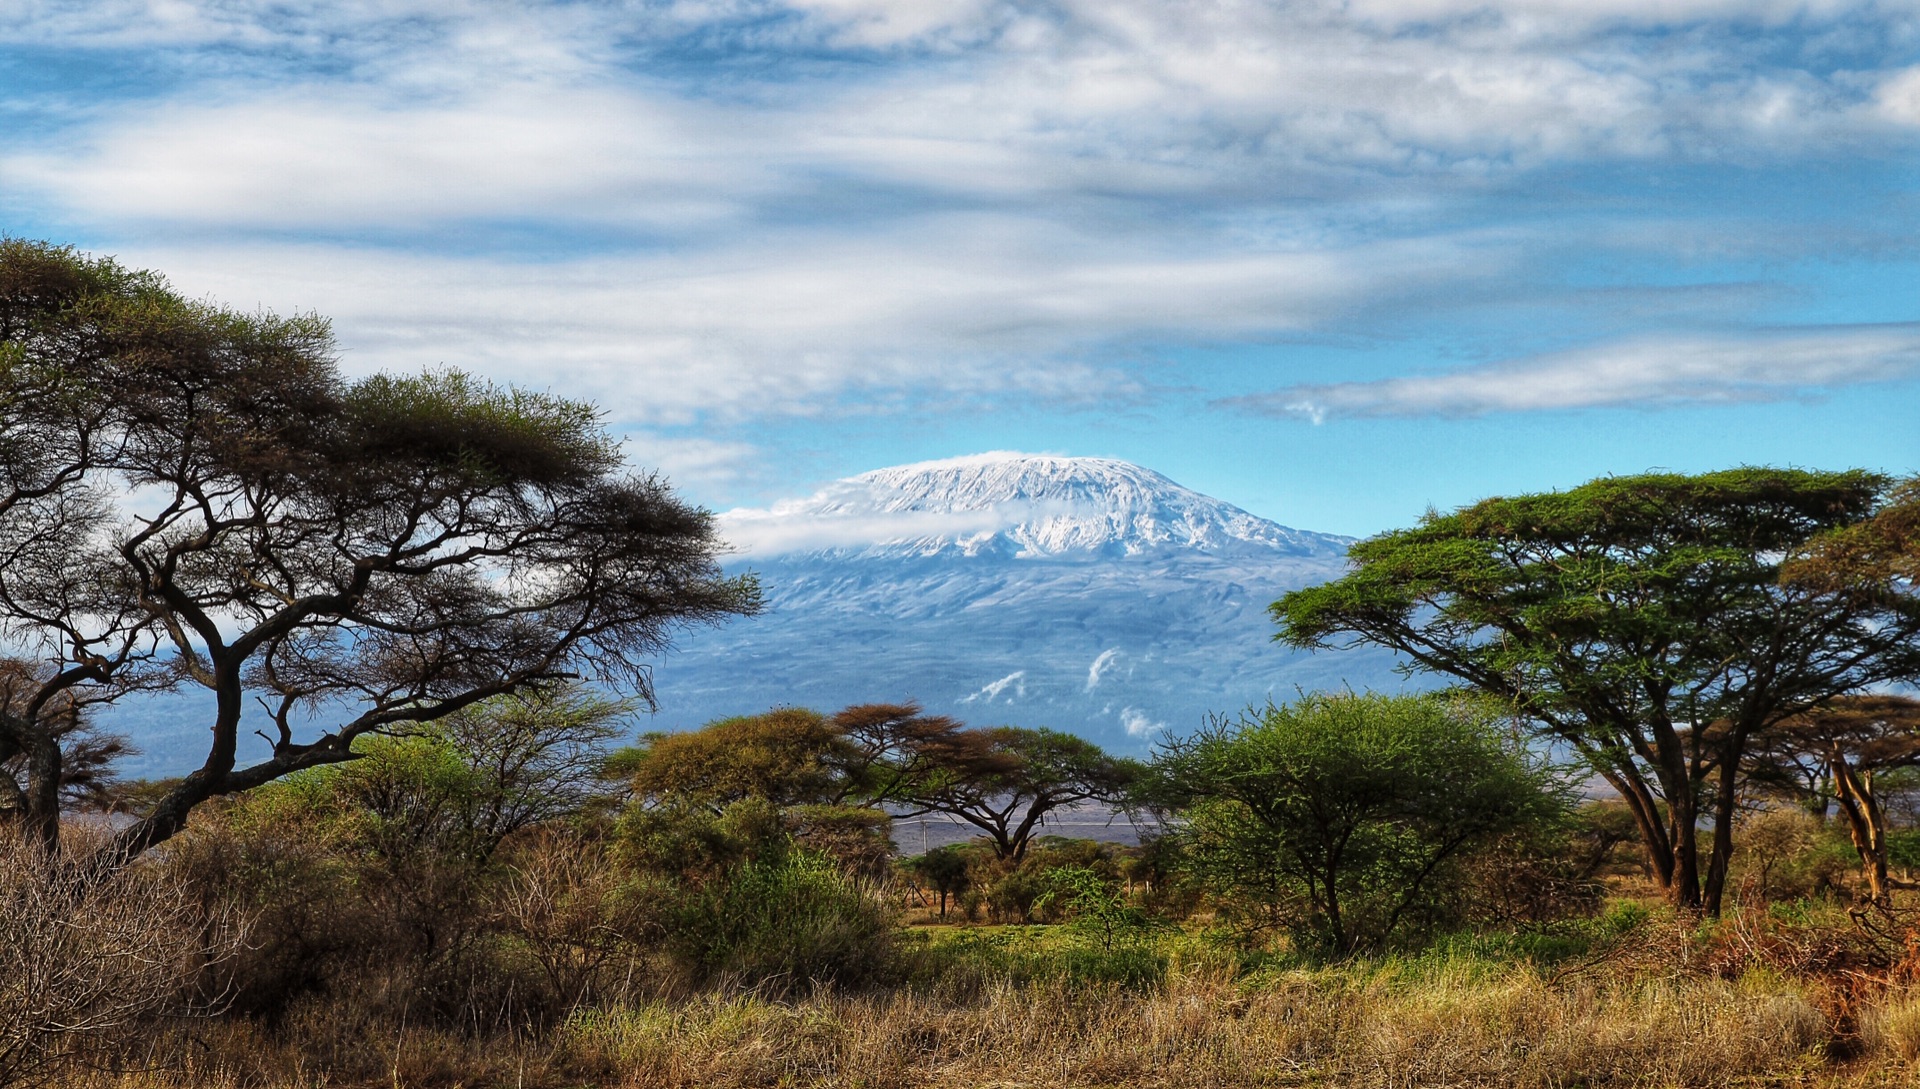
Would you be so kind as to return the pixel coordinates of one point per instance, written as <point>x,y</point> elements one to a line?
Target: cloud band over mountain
<point>1648,372</point>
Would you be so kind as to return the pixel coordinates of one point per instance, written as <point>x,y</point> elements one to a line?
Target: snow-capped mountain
<point>1085,594</point>
<point>1019,505</point>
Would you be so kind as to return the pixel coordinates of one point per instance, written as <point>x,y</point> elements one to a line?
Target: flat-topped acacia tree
<point>1653,624</point>
<point>191,496</point>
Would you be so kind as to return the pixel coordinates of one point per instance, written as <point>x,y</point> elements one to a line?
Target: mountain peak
<point>1016,505</point>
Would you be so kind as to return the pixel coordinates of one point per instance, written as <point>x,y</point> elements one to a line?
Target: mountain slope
<point>1080,593</point>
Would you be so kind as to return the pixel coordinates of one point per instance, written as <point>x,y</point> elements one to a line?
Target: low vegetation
<point>379,922</point>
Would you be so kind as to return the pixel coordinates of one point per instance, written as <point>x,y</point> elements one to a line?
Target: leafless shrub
<point>582,919</point>
<point>88,955</point>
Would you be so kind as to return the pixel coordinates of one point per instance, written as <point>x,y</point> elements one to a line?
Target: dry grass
<point>1450,1027</point>
<point>1639,1014</point>
<point>1389,1028</point>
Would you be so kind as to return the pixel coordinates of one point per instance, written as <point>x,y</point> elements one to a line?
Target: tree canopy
<point>193,496</point>
<point>1337,816</point>
<point>1003,780</point>
<point>1651,623</point>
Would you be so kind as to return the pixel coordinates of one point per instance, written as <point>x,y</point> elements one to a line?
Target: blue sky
<point>1332,261</point>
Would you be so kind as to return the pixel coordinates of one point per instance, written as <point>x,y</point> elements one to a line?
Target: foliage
<point>577,914</point>
<point>788,921</point>
<point>1338,818</point>
<point>1788,854</point>
<point>1618,615</point>
<point>947,871</point>
<point>86,957</point>
<point>1544,872</point>
<point>782,756</point>
<point>1095,908</point>
<point>1841,755</point>
<point>384,871</point>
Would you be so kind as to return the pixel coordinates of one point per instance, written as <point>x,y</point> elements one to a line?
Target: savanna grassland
<point>1657,829</point>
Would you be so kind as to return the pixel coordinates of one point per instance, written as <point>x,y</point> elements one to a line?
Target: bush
<point>1547,872</point>
<point>1786,853</point>
<point>88,955</point>
<point>1096,911</point>
<point>584,921</point>
<point>783,921</point>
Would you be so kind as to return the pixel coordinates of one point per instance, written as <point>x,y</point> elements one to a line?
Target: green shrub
<point>967,961</point>
<point>1097,912</point>
<point>791,920</point>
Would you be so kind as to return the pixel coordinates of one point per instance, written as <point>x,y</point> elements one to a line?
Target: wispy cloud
<point>804,320</point>
<point>1017,680</point>
<point>1100,666</point>
<point>1643,372</point>
<point>1137,723</point>
<point>692,461</point>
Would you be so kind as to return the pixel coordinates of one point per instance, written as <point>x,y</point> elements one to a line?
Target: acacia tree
<point>198,497</point>
<point>1833,755</point>
<point>1008,786</point>
<point>1653,624</point>
<point>889,759</point>
<point>782,756</point>
<point>870,754</point>
<point>1337,817</point>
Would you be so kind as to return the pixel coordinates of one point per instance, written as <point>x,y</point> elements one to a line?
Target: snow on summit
<point>1013,504</point>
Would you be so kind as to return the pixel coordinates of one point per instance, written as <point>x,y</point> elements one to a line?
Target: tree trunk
<point>1653,834</point>
<point>1683,835</point>
<point>1726,801</point>
<point>1865,825</point>
<point>42,816</point>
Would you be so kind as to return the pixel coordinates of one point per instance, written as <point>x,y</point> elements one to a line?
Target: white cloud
<point>1898,96</point>
<point>503,110</point>
<point>691,462</point>
<point>319,157</point>
<point>1100,666</point>
<point>991,692</point>
<point>972,310</point>
<point>1650,371</point>
<point>894,22</point>
<point>771,532</point>
<point>1137,724</point>
<point>930,202</point>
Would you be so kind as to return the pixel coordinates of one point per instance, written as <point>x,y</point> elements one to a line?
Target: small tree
<point>945,870</point>
<point>785,756</point>
<point>1096,908</point>
<point>1336,818</point>
<point>1833,755</point>
<point>790,763</point>
<point>1008,786</point>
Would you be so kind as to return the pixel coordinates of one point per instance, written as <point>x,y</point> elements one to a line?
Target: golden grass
<point>1465,1021</point>
<point>1450,1027</point>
